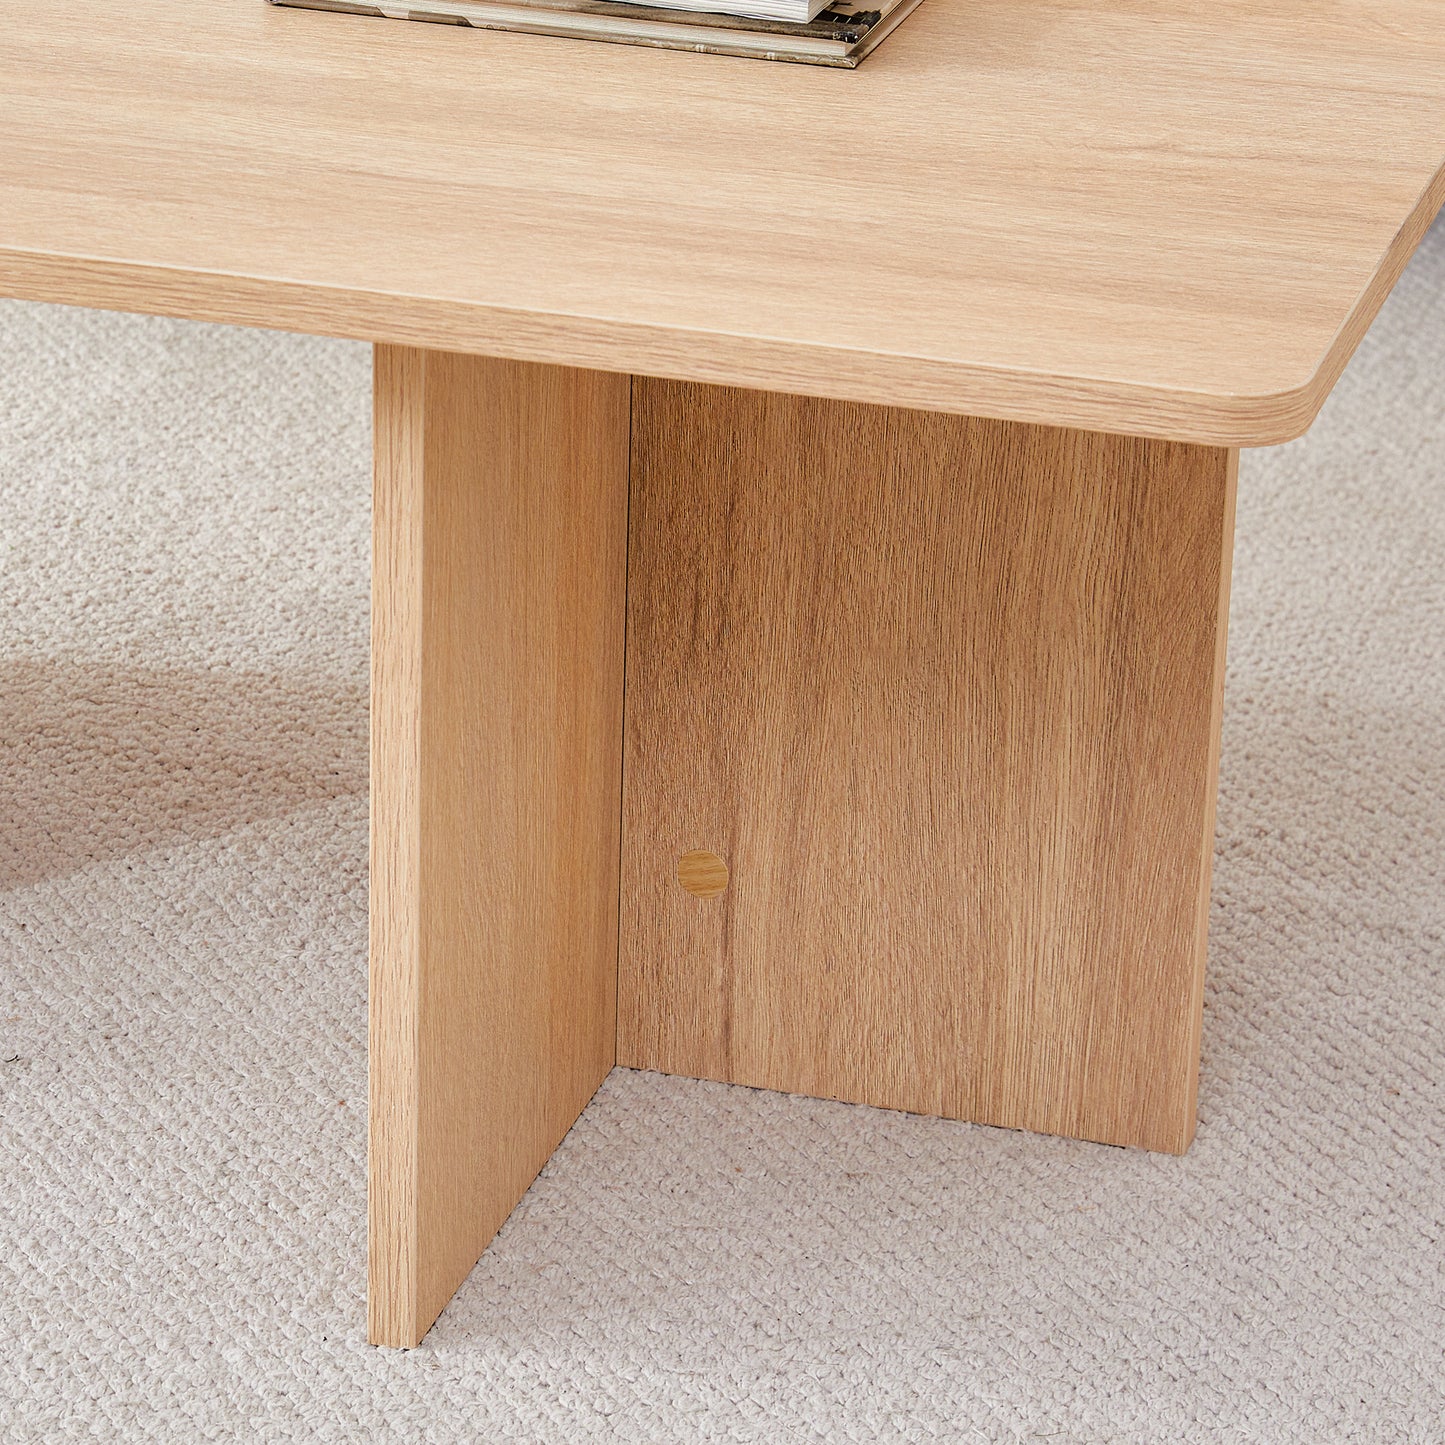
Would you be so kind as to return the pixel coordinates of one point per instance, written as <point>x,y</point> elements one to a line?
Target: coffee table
<point>803,515</point>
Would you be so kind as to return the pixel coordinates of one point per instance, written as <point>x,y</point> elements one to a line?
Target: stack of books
<point>811,32</point>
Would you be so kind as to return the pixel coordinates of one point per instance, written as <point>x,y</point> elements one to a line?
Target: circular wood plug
<point>703,874</point>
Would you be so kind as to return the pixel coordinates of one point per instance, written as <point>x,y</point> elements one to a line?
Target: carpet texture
<point>183,671</point>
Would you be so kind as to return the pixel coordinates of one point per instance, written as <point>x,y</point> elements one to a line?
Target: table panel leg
<point>944,697</point>
<point>500,574</point>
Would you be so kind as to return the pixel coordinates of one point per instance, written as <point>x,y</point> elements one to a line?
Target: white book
<point>798,12</point>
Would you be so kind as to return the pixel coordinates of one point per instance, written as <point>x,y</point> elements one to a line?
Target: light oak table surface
<point>1143,216</point>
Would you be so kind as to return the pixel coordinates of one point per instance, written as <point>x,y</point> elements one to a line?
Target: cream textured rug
<point>182,907</point>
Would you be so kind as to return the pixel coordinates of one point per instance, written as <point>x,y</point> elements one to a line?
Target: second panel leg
<point>941,697</point>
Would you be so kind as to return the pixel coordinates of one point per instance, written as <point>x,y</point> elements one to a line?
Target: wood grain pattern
<point>945,693</point>
<point>1159,217</point>
<point>500,572</point>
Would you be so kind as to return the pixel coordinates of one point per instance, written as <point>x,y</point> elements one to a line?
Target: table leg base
<point>921,741</point>
<point>944,697</point>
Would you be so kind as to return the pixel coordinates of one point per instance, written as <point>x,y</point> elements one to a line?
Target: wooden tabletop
<point>1138,215</point>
